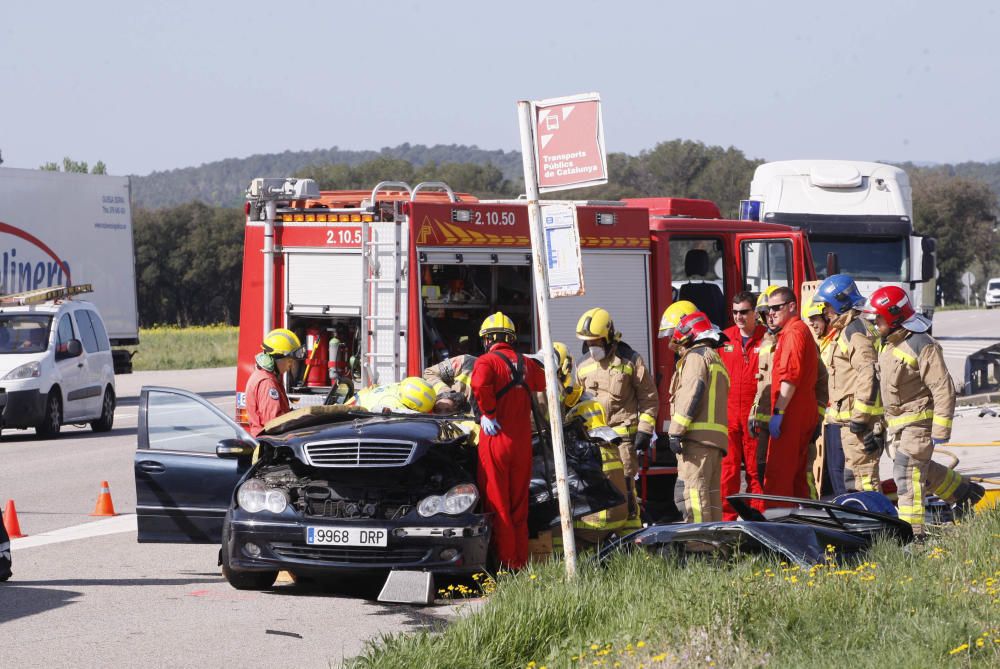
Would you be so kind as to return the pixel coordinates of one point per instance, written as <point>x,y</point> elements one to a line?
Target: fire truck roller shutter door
<point>317,280</point>
<point>619,282</point>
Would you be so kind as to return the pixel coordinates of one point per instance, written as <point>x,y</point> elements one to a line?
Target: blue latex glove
<point>937,441</point>
<point>774,425</point>
<point>490,426</point>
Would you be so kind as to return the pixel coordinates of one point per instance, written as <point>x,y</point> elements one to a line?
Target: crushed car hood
<point>799,534</point>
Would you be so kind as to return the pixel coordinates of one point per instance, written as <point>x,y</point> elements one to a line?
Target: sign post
<point>560,149</point>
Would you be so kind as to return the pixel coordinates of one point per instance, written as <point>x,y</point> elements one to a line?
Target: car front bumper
<point>24,408</point>
<point>453,545</point>
<point>992,300</point>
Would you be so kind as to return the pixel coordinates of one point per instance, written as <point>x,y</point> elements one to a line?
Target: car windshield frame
<point>23,333</point>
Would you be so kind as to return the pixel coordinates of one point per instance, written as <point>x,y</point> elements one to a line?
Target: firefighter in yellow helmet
<point>619,380</point>
<point>580,405</point>
<point>265,392</point>
<point>411,395</point>
<point>672,315</point>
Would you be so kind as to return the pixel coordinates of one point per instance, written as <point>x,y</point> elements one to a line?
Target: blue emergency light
<point>750,210</point>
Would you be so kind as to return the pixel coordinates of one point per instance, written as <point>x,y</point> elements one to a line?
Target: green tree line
<point>189,257</point>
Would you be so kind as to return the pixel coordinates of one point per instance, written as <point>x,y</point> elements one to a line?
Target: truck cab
<point>859,219</point>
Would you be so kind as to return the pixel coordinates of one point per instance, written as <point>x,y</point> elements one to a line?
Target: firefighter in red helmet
<point>919,400</point>
<point>502,381</point>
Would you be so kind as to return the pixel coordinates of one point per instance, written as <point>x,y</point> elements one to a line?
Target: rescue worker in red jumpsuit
<point>502,381</point>
<point>793,399</point>
<point>265,393</point>
<point>740,356</point>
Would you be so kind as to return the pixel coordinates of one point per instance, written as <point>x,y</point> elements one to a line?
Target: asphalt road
<point>86,594</point>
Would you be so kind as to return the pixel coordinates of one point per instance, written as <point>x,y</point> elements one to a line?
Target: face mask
<point>596,352</point>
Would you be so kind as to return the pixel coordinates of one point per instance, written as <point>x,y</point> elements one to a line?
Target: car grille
<point>348,554</point>
<point>359,453</point>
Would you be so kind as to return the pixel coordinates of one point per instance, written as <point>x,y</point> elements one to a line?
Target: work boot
<point>966,502</point>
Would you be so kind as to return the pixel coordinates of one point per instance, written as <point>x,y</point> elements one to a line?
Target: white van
<point>992,294</point>
<point>55,365</point>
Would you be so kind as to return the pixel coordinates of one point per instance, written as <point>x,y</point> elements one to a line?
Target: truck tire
<point>244,580</point>
<point>52,419</point>
<point>107,419</point>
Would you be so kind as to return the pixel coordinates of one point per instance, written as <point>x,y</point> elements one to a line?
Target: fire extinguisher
<point>317,343</point>
<point>337,357</point>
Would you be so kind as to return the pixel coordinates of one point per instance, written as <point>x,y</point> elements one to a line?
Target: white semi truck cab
<point>858,217</point>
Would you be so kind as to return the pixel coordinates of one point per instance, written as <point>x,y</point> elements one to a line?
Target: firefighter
<point>502,381</point>
<point>698,432</point>
<point>855,409</point>
<point>454,373</point>
<point>672,315</point>
<point>919,399</point>
<point>583,406</point>
<point>618,377</point>
<point>828,448</point>
<point>740,356</point>
<point>794,417</point>
<point>411,395</point>
<point>760,411</point>
<point>265,392</point>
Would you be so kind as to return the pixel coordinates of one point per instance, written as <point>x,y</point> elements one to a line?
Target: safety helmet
<point>812,308</point>
<point>694,327</point>
<point>497,323</point>
<point>596,323</point>
<point>672,315</point>
<point>840,292</point>
<point>416,394</point>
<point>564,361</point>
<point>892,304</point>
<point>762,298</point>
<point>282,343</point>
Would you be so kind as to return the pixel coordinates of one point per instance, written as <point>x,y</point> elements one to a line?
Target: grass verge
<point>924,606</point>
<point>196,347</point>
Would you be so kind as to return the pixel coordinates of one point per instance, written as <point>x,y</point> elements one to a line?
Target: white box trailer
<point>60,228</point>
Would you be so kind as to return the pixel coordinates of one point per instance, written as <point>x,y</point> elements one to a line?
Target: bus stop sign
<point>569,142</point>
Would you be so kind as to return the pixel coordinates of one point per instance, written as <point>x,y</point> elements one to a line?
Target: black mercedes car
<point>343,491</point>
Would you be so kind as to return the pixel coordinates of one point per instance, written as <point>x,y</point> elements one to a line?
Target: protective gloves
<point>675,444</point>
<point>937,441</point>
<point>642,441</point>
<point>490,426</point>
<point>774,425</point>
<point>858,428</point>
<point>873,443</point>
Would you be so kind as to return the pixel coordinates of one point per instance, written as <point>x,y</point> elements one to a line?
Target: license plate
<point>347,536</point>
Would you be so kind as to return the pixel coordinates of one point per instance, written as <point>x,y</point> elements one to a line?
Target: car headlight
<point>458,500</point>
<point>276,501</point>
<point>252,496</point>
<point>26,371</point>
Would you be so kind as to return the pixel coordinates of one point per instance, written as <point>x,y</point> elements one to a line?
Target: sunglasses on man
<point>741,312</point>
<point>775,308</point>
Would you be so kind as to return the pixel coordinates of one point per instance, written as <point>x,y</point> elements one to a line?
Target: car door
<point>770,258</point>
<point>72,371</point>
<point>183,487</point>
<point>91,390</point>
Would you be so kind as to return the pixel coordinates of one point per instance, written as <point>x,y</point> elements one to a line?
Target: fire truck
<point>381,284</point>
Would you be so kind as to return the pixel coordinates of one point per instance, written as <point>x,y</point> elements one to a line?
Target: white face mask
<point>596,352</point>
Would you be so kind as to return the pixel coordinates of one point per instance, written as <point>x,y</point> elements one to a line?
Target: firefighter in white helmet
<point>265,392</point>
<point>618,378</point>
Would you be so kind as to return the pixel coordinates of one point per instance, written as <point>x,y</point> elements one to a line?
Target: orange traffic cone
<point>10,521</point>
<point>104,505</point>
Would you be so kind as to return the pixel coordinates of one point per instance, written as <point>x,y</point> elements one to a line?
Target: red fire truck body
<point>381,284</point>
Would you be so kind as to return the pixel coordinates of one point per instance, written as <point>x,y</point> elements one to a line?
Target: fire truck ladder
<point>40,295</point>
<point>383,278</point>
<point>382,275</point>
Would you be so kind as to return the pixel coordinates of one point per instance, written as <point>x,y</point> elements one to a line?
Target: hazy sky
<point>155,86</point>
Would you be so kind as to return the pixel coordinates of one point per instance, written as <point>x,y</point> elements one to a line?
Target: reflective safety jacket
<point>624,386</point>
<point>850,360</point>
<point>380,398</point>
<point>916,386</point>
<point>699,396</point>
<point>452,374</point>
<point>762,401</point>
